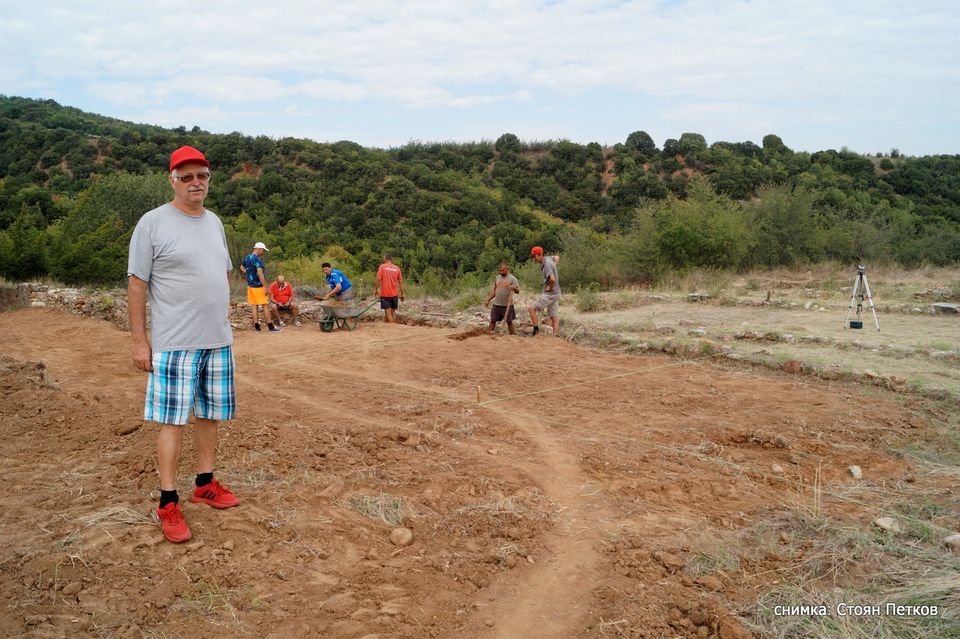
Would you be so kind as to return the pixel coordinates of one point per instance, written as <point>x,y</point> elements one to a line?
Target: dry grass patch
<point>383,507</point>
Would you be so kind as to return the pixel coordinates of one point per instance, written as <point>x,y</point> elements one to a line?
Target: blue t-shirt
<point>252,262</point>
<point>336,277</point>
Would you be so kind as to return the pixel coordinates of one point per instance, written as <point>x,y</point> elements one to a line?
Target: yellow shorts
<point>256,295</point>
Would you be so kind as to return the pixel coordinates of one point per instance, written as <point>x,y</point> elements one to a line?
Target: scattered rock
<point>784,537</point>
<point>698,297</point>
<point>855,472</point>
<point>228,544</point>
<point>35,620</point>
<point>401,536</point>
<point>944,308</point>
<point>72,588</point>
<point>127,428</point>
<point>339,603</point>
<point>413,441</point>
<point>808,305</point>
<point>793,366</point>
<point>492,451</point>
<point>711,583</point>
<point>707,447</point>
<point>953,543</point>
<point>697,332</point>
<point>916,310</point>
<point>510,561</point>
<point>393,608</point>
<point>777,469</point>
<point>887,523</point>
<point>670,561</point>
<point>869,374</point>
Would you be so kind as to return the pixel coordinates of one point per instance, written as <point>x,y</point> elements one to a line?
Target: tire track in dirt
<point>552,599</point>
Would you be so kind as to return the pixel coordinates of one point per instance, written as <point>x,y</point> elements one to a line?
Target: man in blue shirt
<point>253,268</point>
<point>339,284</point>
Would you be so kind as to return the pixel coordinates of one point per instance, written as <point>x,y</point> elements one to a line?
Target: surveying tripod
<point>862,288</point>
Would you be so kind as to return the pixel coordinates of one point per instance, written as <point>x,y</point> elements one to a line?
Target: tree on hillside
<point>692,143</point>
<point>508,143</point>
<point>772,142</point>
<point>122,196</point>
<point>642,142</point>
<point>27,255</point>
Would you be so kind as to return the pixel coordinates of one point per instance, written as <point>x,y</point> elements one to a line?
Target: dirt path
<point>554,598</point>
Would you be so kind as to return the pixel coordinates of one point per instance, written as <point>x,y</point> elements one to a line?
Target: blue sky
<point>867,75</point>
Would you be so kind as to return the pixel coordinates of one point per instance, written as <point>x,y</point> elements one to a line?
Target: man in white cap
<point>179,258</point>
<point>253,268</point>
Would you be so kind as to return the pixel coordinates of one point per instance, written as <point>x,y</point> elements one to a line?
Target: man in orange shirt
<point>389,288</point>
<point>282,298</point>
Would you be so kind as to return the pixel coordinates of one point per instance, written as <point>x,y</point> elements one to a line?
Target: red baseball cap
<point>536,250</point>
<point>186,154</point>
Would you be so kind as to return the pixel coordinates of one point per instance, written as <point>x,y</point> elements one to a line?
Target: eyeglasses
<point>190,177</point>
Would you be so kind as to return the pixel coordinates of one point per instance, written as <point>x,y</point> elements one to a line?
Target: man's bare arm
<point>137,305</point>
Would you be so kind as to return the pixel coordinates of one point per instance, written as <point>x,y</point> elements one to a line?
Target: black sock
<point>256,325</point>
<point>168,497</point>
<point>269,324</point>
<point>203,479</point>
<point>536,329</point>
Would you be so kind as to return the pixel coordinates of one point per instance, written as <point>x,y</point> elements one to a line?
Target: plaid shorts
<point>201,379</point>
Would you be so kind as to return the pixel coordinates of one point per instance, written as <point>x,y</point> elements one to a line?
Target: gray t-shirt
<point>184,260</point>
<point>549,267</point>
<point>504,287</point>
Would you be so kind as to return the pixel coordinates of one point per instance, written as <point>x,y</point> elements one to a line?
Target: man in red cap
<point>179,260</point>
<point>548,300</point>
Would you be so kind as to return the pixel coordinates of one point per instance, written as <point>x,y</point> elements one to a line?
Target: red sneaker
<point>214,494</point>
<point>172,524</point>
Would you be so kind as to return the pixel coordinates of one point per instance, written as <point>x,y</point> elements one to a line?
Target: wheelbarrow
<point>342,316</point>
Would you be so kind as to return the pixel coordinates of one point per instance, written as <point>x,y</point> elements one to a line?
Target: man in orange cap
<point>548,301</point>
<point>179,259</point>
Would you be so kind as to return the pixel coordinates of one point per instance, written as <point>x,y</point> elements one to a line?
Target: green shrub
<point>588,299</point>
<point>470,298</point>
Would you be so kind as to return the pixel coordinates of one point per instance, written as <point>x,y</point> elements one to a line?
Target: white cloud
<point>433,54</point>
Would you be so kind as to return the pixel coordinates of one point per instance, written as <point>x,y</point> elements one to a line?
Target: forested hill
<point>72,184</point>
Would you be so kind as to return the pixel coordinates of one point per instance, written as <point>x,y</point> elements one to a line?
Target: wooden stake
<point>478,394</point>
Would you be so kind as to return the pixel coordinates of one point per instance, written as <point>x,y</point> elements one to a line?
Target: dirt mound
<point>467,334</point>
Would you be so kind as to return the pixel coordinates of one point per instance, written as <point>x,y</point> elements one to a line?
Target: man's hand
<point>487,303</point>
<point>143,357</point>
<point>401,297</point>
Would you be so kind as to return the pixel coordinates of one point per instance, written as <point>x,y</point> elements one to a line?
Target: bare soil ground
<point>586,494</point>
